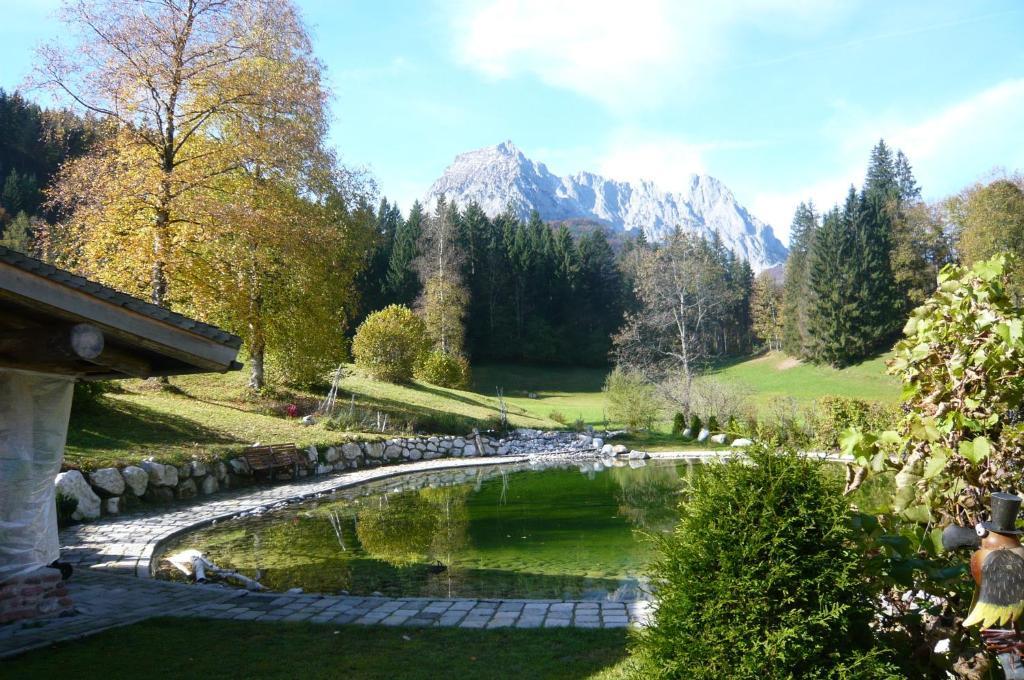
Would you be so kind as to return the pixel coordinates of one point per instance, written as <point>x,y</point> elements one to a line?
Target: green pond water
<point>579,531</point>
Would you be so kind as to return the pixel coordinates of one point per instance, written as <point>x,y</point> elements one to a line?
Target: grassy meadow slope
<point>776,374</point>
<point>212,415</point>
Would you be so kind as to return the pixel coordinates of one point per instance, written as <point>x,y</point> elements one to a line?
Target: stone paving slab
<point>110,554</point>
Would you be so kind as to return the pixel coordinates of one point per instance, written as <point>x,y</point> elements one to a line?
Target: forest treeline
<point>534,292</point>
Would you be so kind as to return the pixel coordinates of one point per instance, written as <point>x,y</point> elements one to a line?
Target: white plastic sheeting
<point>34,411</point>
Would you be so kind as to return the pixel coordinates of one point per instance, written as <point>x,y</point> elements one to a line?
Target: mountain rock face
<point>500,176</point>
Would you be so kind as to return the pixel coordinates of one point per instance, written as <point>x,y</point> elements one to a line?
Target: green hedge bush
<point>389,342</point>
<point>631,400</point>
<point>443,369</point>
<point>761,579</point>
<point>833,415</point>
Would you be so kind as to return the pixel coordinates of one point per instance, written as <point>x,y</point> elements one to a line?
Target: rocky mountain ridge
<point>500,176</point>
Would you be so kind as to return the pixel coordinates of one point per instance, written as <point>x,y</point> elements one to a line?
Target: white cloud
<point>965,136</point>
<point>621,54</point>
<point>666,161</point>
<point>947,149</point>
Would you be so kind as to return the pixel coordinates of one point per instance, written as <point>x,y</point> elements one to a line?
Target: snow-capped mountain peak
<point>501,176</point>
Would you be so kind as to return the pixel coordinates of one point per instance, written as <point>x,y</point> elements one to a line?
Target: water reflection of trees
<point>412,527</point>
<point>649,496</point>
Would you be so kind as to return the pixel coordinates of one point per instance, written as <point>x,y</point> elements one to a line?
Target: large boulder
<point>351,451</point>
<point>112,506</point>
<point>136,479</point>
<point>73,485</point>
<point>107,481</point>
<point>159,494</point>
<point>742,442</point>
<point>719,439</point>
<point>620,450</point>
<point>393,451</point>
<point>208,485</point>
<point>198,468</point>
<point>186,489</point>
<point>375,449</point>
<point>239,466</point>
<point>703,435</point>
<point>331,455</point>
<point>159,474</point>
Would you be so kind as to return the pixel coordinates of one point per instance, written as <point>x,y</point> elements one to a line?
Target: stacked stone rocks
<point>109,491</point>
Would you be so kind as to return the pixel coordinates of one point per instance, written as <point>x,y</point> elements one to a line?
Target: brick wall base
<point>37,594</point>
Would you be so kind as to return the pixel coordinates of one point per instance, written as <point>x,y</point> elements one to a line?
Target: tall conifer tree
<point>796,338</point>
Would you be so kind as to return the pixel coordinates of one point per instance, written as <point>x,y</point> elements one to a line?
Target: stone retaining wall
<point>111,490</point>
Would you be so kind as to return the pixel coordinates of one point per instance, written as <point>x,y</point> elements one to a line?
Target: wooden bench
<point>275,457</point>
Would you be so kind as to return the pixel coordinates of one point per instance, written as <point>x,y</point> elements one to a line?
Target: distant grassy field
<point>776,374</point>
<point>212,415</point>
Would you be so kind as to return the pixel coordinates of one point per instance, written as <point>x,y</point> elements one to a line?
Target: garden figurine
<point>998,570</point>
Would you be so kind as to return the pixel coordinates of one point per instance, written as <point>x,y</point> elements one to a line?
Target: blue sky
<point>780,99</point>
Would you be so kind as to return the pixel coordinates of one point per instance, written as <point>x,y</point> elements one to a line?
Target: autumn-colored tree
<point>991,222</point>
<point>213,190</point>
<point>444,299</point>
<point>766,310</point>
<point>166,77</point>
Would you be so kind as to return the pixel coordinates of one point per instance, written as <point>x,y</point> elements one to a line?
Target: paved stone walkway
<point>107,553</point>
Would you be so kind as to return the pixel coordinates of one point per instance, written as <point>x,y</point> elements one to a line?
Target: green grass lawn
<point>196,648</point>
<point>775,374</point>
<point>215,415</point>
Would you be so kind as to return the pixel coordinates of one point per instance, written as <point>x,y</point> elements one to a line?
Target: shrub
<point>712,424</point>
<point>719,398</point>
<point>761,579</point>
<point>833,415</point>
<point>444,423</point>
<point>678,423</point>
<point>558,417</point>
<point>695,424</point>
<point>89,393</point>
<point>443,369</point>
<point>631,399</point>
<point>389,342</point>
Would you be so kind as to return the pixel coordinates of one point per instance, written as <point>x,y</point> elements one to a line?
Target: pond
<point>572,531</point>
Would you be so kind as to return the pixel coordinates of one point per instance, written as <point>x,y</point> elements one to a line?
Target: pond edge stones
<point>109,490</point>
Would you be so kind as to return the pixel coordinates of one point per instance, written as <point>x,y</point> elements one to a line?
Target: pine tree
<point>881,177</point>
<point>833,314</point>
<point>909,191</point>
<point>796,338</point>
<point>18,234</point>
<point>403,286</point>
<point>600,297</point>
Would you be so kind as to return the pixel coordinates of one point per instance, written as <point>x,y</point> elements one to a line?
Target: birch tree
<point>164,76</point>
<point>683,290</point>
<point>444,299</point>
